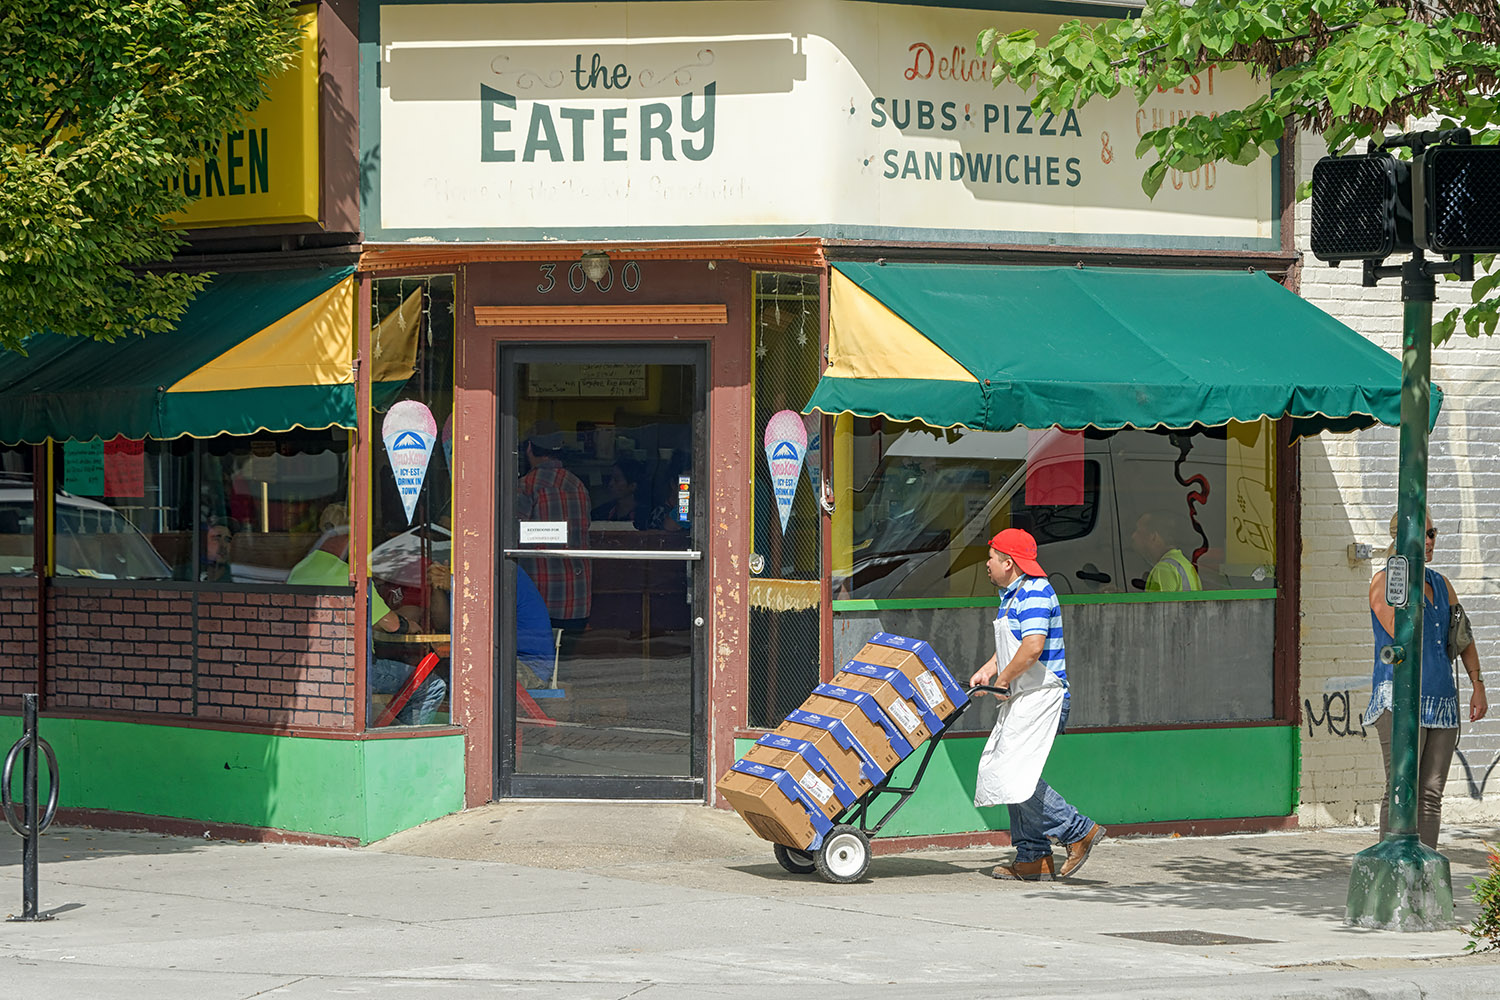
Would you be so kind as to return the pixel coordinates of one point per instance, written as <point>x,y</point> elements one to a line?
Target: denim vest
<point>1439,694</point>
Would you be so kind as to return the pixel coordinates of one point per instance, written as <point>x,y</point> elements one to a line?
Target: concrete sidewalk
<point>577,901</point>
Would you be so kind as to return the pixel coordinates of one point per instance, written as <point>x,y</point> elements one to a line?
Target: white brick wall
<point>1349,494</point>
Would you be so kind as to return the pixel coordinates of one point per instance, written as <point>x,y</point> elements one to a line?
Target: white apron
<point>1018,746</point>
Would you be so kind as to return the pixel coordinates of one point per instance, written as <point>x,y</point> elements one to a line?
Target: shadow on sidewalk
<point>64,845</point>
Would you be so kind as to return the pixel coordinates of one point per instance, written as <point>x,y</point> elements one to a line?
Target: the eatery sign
<point>831,117</point>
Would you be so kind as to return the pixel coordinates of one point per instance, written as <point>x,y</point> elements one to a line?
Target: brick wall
<point>17,644</point>
<point>276,658</point>
<point>232,656</point>
<point>1349,494</point>
<point>120,650</point>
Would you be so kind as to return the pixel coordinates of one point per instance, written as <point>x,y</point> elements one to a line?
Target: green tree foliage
<point>104,103</point>
<point>1348,69</point>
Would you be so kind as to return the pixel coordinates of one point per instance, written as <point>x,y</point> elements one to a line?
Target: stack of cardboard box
<point>894,696</point>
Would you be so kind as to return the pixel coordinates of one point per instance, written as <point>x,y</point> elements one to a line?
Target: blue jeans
<point>388,677</point>
<point>1045,817</point>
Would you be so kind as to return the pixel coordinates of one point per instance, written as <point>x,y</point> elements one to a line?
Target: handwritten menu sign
<point>83,467</point>
<point>600,381</point>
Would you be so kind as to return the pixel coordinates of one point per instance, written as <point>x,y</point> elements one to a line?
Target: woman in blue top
<point>1438,735</point>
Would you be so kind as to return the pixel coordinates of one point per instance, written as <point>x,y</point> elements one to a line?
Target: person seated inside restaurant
<point>536,648</point>
<point>624,493</point>
<point>327,565</point>
<point>218,539</point>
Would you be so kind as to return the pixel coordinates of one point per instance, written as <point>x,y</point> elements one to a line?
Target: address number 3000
<point>630,278</point>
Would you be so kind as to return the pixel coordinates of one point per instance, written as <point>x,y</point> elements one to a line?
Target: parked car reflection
<point>92,540</point>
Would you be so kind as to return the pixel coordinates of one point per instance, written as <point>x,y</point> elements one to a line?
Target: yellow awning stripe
<point>312,345</point>
<point>867,340</point>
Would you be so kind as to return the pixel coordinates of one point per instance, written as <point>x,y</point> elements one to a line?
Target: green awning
<point>997,347</point>
<point>262,350</point>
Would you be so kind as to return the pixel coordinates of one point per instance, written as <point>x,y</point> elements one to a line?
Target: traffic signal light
<point>1361,207</point>
<point>1457,191</point>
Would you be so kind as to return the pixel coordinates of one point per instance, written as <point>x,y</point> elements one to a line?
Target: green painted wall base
<point>1135,777</point>
<point>1400,884</point>
<point>364,789</point>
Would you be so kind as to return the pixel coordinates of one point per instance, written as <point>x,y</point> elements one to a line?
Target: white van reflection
<point>923,517</point>
<point>92,540</point>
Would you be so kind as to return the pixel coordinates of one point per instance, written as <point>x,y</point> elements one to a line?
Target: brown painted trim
<point>173,826</point>
<point>1169,828</point>
<point>191,588</point>
<point>746,733</point>
<point>794,253</point>
<point>301,732</point>
<point>1272,261</point>
<point>715,313</point>
<point>361,458</point>
<point>1293,277</point>
<point>1287,651</point>
<point>338,115</point>
<point>476,463</point>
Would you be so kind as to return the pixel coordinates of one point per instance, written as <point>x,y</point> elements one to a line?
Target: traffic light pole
<point>1400,883</point>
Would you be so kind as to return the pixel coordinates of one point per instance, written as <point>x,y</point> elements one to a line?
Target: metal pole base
<point>1400,884</point>
<point>29,920</point>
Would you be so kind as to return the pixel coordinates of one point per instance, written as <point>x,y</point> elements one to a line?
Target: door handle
<point>652,555</point>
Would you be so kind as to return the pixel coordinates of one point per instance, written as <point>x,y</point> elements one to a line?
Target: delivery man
<point>1029,664</point>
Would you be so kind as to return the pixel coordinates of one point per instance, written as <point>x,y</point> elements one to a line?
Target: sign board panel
<point>265,170</point>
<point>830,117</point>
<point>598,381</point>
<point>1397,581</point>
<point>544,533</point>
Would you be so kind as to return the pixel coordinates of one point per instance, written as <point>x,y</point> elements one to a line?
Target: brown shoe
<point>1078,851</point>
<point>1039,870</point>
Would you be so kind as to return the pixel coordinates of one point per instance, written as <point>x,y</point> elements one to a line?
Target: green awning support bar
<point>928,603</point>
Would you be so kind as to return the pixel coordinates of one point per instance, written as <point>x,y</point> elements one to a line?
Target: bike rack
<point>29,825</point>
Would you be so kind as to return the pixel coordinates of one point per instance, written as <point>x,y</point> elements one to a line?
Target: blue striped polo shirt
<point>1029,607</point>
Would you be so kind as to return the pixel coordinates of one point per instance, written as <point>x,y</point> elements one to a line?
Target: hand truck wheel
<point>795,861</point>
<point>844,856</point>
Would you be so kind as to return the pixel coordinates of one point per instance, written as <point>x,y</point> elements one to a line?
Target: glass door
<point>599,597</point>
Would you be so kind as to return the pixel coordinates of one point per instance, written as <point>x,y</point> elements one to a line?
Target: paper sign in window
<point>83,467</point>
<point>124,468</point>
<point>544,532</point>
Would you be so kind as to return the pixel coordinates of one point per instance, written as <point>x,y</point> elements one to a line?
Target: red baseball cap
<point>1021,547</point>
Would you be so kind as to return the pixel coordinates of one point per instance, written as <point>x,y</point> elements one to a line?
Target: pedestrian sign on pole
<point>1397,577</point>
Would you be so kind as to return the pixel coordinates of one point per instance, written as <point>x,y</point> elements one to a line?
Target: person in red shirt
<point>549,492</point>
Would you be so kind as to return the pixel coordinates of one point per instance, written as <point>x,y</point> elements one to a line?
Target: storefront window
<point>17,525</point>
<point>1160,545</point>
<point>411,518</point>
<point>786,562</point>
<point>264,499</point>
<point>1112,513</point>
<point>124,509</point>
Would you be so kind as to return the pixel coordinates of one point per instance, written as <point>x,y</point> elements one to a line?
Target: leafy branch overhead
<point>106,102</point>
<point>1348,69</point>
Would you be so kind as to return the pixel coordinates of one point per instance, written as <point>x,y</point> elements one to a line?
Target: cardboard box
<point>836,747</point>
<point>845,739</point>
<point>773,805</point>
<point>881,738</point>
<point>917,660</point>
<point>905,708</point>
<point>808,767</point>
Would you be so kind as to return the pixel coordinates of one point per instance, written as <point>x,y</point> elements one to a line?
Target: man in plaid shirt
<point>548,492</point>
